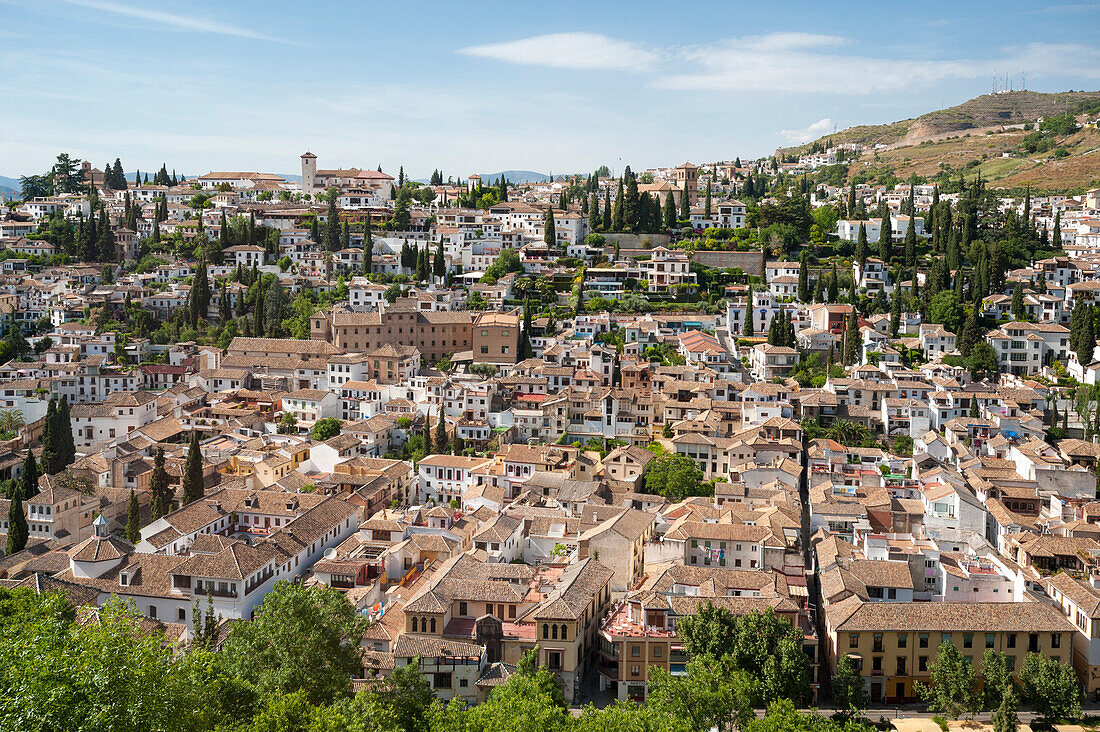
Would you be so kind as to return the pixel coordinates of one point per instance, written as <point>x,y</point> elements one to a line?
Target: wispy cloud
<point>195,23</point>
<point>787,62</point>
<point>581,51</point>
<point>812,132</point>
<point>1067,8</point>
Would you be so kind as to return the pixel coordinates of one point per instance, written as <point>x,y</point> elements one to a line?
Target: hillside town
<point>563,420</point>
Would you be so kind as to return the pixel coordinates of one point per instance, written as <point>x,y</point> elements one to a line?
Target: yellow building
<point>894,644</point>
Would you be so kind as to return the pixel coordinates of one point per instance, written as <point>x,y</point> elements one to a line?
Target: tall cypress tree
<point>66,446</point>
<point>861,245</point>
<point>368,247</point>
<point>706,204</point>
<point>670,211</point>
<point>439,264</point>
<point>332,226</point>
<point>49,440</point>
<point>617,220</point>
<point>685,204</point>
<point>28,486</point>
<point>911,244</point>
<point>594,220</point>
<point>804,278</point>
<point>749,327</point>
<point>193,488</point>
<point>851,340</point>
<point>885,243</point>
<point>549,235</point>
<point>606,226</point>
<point>158,486</point>
<point>133,520</point>
<point>17,524</point>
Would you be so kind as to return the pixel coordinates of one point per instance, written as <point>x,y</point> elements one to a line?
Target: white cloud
<point>179,22</point>
<point>807,63</point>
<point>583,51</point>
<point>818,129</point>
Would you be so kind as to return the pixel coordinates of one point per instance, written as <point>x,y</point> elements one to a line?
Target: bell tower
<point>309,172</point>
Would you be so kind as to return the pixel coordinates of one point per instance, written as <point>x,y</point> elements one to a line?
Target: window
<point>658,652</point>
<point>462,609</point>
<point>903,640</point>
<point>1011,640</point>
<point>876,663</point>
<point>876,646</point>
<point>922,640</point>
<point>853,640</point>
<point>635,651</point>
<point>922,663</point>
<point>990,640</point>
<point>1055,640</point>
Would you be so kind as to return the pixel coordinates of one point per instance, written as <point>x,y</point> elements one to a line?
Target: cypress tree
<point>852,199</point>
<point>911,244</point>
<point>670,211</point>
<point>685,204</point>
<point>368,247</point>
<point>29,482</point>
<point>133,520</point>
<point>441,434</point>
<point>749,327</point>
<point>895,313</point>
<point>631,218</point>
<point>861,245</point>
<point>439,264</point>
<point>851,340</point>
<point>66,446</point>
<point>18,532</point>
<point>594,220</point>
<point>884,238</point>
<point>1056,238</point>
<point>193,488</point>
<point>158,486</point>
<point>706,204</point>
<point>803,278</point>
<point>345,235</point>
<point>549,235</point>
<point>332,226</point>
<point>606,225</point>
<point>1018,311</point>
<point>970,333</point>
<point>834,286</point>
<point>49,440</point>
<point>617,219</point>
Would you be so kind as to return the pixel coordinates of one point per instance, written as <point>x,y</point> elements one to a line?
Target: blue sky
<point>485,86</point>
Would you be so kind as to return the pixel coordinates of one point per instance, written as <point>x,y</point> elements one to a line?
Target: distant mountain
<point>9,186</point>
<point>515,176</point>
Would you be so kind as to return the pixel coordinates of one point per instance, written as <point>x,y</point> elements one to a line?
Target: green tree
<point>982,361</point>
<point>954,688</point>
<point>1018,310</point>
<point>332,225</point>
<point>884,238</point>
<point>193,483</point>
<point>302,638</point>
<point>1005,718</point>
<point>1051,687</point>
<point>861,245</point>
<point>28,483</point>
<point>161,492</point>
<point>997,677</point>
<point>368,247</point>
<point>711,694</point>
<point>133,519</point>
<point>849,693</point>
<point>18,531</point>
<point>325,429</point>
<point>549,235</point>
<point>945,308</point>
<point>674,476</point>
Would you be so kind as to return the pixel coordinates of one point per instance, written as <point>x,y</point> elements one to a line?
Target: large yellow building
<point>894,643</point>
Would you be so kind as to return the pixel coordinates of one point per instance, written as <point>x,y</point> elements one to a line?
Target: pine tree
<point>193,488</point>
<point>133,520</point>
<point>18,532</point>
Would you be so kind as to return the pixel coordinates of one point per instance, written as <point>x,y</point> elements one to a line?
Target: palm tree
<point>11,420</point>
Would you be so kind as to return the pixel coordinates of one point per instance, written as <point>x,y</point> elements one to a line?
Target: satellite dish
<point>330,553</point>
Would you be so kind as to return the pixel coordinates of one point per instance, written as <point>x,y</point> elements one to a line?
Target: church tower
<point>309,172</point>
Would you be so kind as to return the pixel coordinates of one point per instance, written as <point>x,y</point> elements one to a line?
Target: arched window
<point>554,632</point>
<point>414,624</point>
<point>545,632</point>
<point>564,627</point>
<point>433,625</point>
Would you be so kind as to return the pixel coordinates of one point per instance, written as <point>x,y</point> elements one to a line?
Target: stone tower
<point>309,172</point>
<point>687,180</point>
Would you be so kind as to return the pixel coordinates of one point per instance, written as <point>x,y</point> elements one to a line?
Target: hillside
<point>976,115</point>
